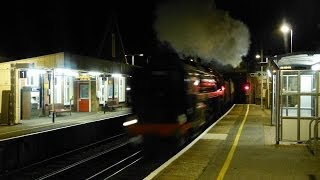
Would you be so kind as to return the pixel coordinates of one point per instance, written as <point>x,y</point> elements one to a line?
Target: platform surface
<point>42,124</point>
<point>241,145</point>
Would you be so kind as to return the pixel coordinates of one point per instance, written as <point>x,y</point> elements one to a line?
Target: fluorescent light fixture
<point>116,75</point>
<point>133,55</point>
<point>269,73</point>
<point>35,72</point>
<point>315,67</point>
<point>131,122</point>
<point>94,73</point>
<point>128,88</point>
<point>67,72</point>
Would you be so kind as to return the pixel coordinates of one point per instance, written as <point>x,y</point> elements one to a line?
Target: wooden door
<point>84,97</point>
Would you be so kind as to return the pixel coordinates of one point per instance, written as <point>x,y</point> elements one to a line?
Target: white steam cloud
<point>196,28</point>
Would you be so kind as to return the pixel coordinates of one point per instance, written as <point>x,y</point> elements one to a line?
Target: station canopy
<point>297,61</point>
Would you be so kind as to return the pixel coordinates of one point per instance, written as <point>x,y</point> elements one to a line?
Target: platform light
<point>116,75</point>
<point>67,72</point>
<point>285,28</point>
<point>128,88</point>
<point>269,73</point>
<point>34,72</point>
<point>94,73</point>
<point>132,56</point>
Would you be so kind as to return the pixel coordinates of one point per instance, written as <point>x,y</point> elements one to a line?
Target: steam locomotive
<point>173,99</point>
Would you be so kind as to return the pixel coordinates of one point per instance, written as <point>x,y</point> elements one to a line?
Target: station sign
<point>23,74</point>
<point>258,74</point>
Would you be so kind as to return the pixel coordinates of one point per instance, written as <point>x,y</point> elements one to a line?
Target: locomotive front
<point>170,100</point>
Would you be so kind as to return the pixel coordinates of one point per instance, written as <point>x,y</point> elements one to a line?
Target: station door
<point>84,99</point>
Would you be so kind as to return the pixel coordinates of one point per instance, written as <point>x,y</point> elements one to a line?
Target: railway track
<point>101,165</point>
<point>63,165</point>
<point>112,158</point>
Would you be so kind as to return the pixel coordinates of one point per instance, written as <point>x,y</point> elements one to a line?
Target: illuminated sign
<point>285,67</point>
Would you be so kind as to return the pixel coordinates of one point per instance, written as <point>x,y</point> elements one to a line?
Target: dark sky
<point>31,29</point>
<point>265,17</point>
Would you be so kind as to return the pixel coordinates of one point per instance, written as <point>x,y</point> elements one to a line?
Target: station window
<point>68,90</point>
<point>116,87</point>
<point>32,79</point>
<point>63,89</point>
<point>101,89</point>
<point>57,89</point>
<point>111,87</point>
<point>122,90</point>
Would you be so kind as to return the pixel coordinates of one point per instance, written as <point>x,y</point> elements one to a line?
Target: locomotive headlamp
<point>131,122</point>
<point>196,82</point>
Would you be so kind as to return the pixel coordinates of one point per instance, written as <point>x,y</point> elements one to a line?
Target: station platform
<point>43,124</point>
<point>241,145</point>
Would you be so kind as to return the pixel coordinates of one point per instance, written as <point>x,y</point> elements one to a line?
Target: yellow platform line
<point>233,148</point>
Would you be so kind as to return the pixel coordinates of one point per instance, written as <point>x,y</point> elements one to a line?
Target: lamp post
<point>132,57</point>
<point>261,76</point>
<point>285,29</point>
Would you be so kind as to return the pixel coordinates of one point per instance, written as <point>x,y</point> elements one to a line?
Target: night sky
<point>265,17</point>
<point>33,29</point>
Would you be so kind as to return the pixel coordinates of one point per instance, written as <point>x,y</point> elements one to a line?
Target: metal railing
<point>313,140</point>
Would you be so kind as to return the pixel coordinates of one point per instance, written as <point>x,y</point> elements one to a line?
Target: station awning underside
<point>298,60</point>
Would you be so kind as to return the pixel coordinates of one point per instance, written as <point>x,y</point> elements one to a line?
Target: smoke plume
<point>195,28</point>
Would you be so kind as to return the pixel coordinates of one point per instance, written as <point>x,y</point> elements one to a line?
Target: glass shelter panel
<point>290,105</point>
<point>307,106</point>
<point>308,83</point>
<point>298,99</point>
<point>289,81</point>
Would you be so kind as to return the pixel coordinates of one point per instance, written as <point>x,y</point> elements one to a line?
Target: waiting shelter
<point>32,87</point>
<point>296,86</point>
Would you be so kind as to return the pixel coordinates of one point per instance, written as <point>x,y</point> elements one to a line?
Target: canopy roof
<point>298,59</point>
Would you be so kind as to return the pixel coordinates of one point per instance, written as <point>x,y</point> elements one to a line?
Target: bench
<point>58,109</point>
<point>112,103</point>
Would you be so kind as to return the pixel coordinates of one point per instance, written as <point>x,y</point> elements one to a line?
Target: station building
<point>32,87</point>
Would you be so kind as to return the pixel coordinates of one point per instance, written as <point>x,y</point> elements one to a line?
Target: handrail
<point>315,134</point>
<point>310,124</point>
<point>315,137</point>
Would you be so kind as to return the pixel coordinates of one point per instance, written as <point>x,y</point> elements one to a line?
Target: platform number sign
<point>23,74</point>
